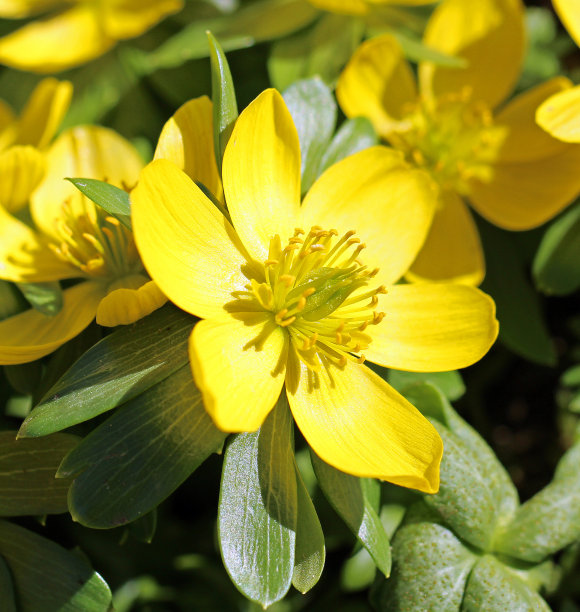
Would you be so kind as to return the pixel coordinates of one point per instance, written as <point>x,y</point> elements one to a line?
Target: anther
<point>287,279</point>
<point>361,359</point>
<point>287,322</point>
<point>378,317</point>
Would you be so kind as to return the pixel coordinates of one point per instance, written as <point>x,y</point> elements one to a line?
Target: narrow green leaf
<point>313,110</point>
<point>140,455</point>
<point>49,578</point>
<point>310,548</point>
<point>11,300</point>
<point>225,107</point>
<point>143,529</point>
<point>27,474</point>
<point>6,588</point>
<point>491,586</point>
<point>116,369</point>
<point>44,297</point>
<point>346,495</point>
<point>111,199</point>
<point>449,383</point>
<point>353,136</point>
<point>258,508</point>
<point>556,267</point>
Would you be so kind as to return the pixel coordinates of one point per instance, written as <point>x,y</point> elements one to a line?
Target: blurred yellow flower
<point>24,139</point>
<point>290,296</point>
<point>78,31</point>
<point>75,239</point>
<point>512,172</point>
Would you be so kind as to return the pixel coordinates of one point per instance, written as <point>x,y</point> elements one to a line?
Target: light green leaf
<point>358,571</point>
<point>225,107</point>
<point>49,578</point>
<point>449,383</point>
<point>416,51</point>
<point>111,199</point>
<point>491,586</point>
<point>6,588</point>
<point>353,136</point>
<point>556,266</point>
<point>44,297</point>
<point>140,455</point>
<point>313,110</point>
<point>258,505</point>
<point>116,369</point>
<point>27,474</point>
<point>571,377</point>
<point>346,495</point>
<point>310,548</point>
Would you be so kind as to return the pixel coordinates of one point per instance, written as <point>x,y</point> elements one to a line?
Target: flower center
<point>95,243</point>
<point>314,288</point>
<point>452,137</point>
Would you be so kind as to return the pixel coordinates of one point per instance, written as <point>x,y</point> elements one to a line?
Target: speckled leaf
<point>119,367</point>
<point>346,495</point>
<point>140,455</point>
<point>258,508</point>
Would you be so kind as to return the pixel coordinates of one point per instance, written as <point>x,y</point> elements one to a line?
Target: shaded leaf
<point>353,136</point>
<point>143,529</point>
<point>11,300</point>
<point>44,297</point>
<point>449,383</point>
<point>6,588</point>
<point>111,199</point>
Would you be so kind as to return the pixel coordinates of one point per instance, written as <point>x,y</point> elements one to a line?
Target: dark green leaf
<point>556,265</point>
<point>313,110</point>
<point>449,383</point>
<point>119,367</point>
<point>225,107</point>
<point>49,578</point>
<point>27,474</point>
<point>6,588</point>
<point>143,529</point>
<point>111,199</point>
<point>44,297</point>
<point>11,300</point>
<point>24,377</point>
<point>258,508</point>
<point>140,455</point>
<point>346,495</point>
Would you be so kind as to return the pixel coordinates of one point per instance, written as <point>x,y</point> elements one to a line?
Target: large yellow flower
<point>297,296</point>
<point>77,32</point>
<point>511,171</point>
<point>75,239</point>
<point>24,139</point>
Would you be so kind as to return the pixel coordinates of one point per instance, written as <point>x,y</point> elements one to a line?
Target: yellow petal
<point>560,115</point>
<point>377,83</point>
<point>359,424</point>
<point>377,194</point>
<point>261,174</point>
<point>452,251</point>
<point>523,196</point>
<point>569,13</point>
<point>128,18</point>
<point>25,255</point>
<point>82,152</point>
<point>21,170</point>
<point>526,141</point>
<point>238,365</point>
<point>31,335</point>
<point>433,327</point>
<point>124,306</point>
<point>16,9</point>
<point>187,140</point>
<point>489,34</point>
<point>68,39</point>
<point>44,112</point>
<point>189,249</point>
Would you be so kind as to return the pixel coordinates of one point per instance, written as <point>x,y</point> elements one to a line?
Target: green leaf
<point>11,300</point>
<point>346,495</point>
<point>116,369</point>
<point>449,383</point>
<point>417,51</point>
<point>358,572</point>
<point>225,107</point>
<point>143,529</point>
<point>6,588</point>
<point>313,110</point>
<point>491,586</point>
<point>353,136</point>
<point>140,455</point>
<point>556,266</point>
<point>521,322</point>
<point>49,578</point>
<point>24,377</point>
<point>44,297</point>
<point>111,199</point>
<point>571,377</point>
<point>430,570</point>
<point>550,520</point>
<point>258,508</point>
<point>27,474</point>
<point>310,548</point>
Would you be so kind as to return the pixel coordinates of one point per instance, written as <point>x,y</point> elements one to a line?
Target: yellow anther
<point>296,240</point>
<point>374,301</point>
<point>287,322</point>
<point>361,359</point>
<point>301,303</point>
<point>308,292</point>
<point>287,279</point>
<point>281,314</point>
<point>271,262</point>
<point>378,317</point>
<point>108,233</point>
<point>353,241</point>
<point>113,221</point>
<point>342,361</point>
<point>298,231</point>
<point>338,337</point>
<point>382,289</point>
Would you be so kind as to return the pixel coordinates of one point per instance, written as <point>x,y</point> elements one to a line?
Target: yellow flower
<point>362,7</point>
<point>75,239</point>
<point>24,139</point>
<point>297,296</point>
<point>559,115</point>
<point>77,32</point>
<point>510,170</point>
